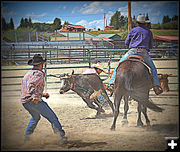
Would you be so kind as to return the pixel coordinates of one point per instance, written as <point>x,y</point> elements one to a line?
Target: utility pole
<point>104,20</point>
<point>129,16</point>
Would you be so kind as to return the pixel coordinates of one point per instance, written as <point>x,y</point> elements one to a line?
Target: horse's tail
<point>128,79</point>
<point>152,106</point>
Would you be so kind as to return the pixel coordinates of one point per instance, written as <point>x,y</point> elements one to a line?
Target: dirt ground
<point>83,131</point>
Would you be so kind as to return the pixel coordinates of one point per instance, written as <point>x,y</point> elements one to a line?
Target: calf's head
<point>163,80</point>
<point>66,82</point>
<point>65,85</point>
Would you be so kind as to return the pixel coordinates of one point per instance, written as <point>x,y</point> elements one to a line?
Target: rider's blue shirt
<point>141,37</point>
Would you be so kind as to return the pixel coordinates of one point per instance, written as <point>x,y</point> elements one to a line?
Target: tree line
<point>26,24</point>
<point>167,23</point>
<point>6,25</point>
<point>118,21</point>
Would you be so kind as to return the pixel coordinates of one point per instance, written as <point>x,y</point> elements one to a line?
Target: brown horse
<point>133,79</point>
<point>163,80</point>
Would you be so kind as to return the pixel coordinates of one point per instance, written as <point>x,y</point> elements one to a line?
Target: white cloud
<point>124,10</point>
<point>8,14</point>
<point>35,15</point>
<point>92,24</point>
<point>92,8</point>
<point>36,21</point>
<point>82,22</point>
<point>75,9</point>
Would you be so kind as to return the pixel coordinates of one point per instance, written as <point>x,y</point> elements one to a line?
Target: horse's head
<point>163,80</point>
<point>66,82</point>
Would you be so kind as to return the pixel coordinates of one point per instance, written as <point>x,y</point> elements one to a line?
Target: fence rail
<point>71,56</point>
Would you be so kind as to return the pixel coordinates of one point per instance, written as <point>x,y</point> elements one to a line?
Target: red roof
<point>75,26</point>
<point>174,39</point>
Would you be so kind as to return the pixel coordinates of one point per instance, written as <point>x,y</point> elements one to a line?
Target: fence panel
<point>61,60</point>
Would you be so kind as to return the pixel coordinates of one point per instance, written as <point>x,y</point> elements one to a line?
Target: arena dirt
<point>84,131</point>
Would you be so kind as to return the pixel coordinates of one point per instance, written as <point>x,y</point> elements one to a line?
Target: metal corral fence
<point>64,60</point>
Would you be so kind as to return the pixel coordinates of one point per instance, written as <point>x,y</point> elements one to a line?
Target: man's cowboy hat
<point>98,66</point>
<point>36,60</point>
<point>141,19</point>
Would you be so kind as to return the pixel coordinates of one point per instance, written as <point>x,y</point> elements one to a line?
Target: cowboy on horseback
<point>140,41</point>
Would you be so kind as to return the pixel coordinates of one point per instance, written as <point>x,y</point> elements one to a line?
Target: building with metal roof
<point>115,37</point>
<point>170,39</point>
<point>74,28</point>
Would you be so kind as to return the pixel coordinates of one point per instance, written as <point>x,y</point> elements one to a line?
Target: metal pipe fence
<point>68,59</point>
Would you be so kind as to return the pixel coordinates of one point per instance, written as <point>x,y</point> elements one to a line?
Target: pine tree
<point>147,17</point>
<point>22,22</point>
<point>26,23</point>
<point>57,24</point>
<point>4,24</point>
<point>11,24</point>
<point>115,20</point>
<point>30,23</point>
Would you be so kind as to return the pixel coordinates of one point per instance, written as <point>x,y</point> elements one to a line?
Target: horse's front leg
<point>117,101</point>
<point>124,121</point>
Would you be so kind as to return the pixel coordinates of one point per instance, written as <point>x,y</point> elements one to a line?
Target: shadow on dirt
<point>164,128</point>
<point>80,144</point>
<point>101,116</point>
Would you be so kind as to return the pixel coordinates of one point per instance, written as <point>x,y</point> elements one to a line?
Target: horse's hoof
<point>124,122</point>
<point>148,124</point>
<point>140,124</point>
<point>113,128</point>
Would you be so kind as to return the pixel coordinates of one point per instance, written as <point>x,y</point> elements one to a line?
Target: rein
<point>74,85</point>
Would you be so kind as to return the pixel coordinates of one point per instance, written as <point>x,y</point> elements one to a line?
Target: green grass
<point>155,32</point>
<point>165,32</point>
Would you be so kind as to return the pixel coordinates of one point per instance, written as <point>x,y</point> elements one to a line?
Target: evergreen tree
<point>26,23</point>
<point>22,22</point>
<point>30,23</point>
<point>11,24</point>
<point>4,24</point>
<point>147,17</point>
<point>166,19</point>
<point>57,24</point>
<point>175,18</point>
<point>115,20</point>
<point>133,23</point>
<point>67,23</point>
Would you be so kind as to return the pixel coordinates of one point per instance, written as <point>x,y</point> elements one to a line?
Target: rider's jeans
<point>147,60</point>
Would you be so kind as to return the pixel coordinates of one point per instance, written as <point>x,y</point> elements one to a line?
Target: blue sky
<point>89,14</point>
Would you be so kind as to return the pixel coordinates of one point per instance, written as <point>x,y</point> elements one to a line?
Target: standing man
<point>139,42</point>
<point>31,99</point>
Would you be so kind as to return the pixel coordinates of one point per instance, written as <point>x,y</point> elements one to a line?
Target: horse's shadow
<point>101,116</point>
<point>79,144</point>
<point>163,128</point>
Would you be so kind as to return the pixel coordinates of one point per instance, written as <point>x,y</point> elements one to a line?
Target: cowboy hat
<point>36,60</point>
<point>98,66</point>
<point>141,19</point>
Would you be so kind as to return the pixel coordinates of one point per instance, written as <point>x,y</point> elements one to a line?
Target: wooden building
<point>73,28</point>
